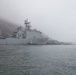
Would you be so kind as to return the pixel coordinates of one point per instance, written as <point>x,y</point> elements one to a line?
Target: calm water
<point>38,60</point>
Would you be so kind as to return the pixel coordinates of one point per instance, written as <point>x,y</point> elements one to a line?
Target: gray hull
<point>16,41</point>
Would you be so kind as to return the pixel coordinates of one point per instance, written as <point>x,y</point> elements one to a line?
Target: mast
<point>27,24</point>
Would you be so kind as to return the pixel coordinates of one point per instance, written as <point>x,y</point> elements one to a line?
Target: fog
<point>55,18</point>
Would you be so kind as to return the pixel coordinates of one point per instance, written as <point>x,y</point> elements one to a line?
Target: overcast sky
<point>55,18</point>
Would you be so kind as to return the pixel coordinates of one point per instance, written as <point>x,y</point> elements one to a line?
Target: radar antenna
<point>27,24</point>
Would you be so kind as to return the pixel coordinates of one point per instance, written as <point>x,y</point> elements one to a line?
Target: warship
<point>24,36</point>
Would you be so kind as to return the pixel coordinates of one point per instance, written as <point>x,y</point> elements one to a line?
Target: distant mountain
<point>7,28</point>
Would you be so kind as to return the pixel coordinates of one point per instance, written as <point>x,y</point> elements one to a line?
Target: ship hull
<point>13,41</point>
<point>16,41</point>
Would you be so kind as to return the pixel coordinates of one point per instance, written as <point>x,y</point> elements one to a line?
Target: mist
<point>55,18</point>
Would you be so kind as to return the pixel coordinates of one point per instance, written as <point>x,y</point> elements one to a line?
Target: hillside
<point>7,28</point>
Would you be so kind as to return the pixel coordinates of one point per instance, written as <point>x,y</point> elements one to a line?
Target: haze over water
<point>38,60</point>
<point>55,18</point>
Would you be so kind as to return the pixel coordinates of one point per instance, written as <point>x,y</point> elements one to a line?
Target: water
<point>38,60</point>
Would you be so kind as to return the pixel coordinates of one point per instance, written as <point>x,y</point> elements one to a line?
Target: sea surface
<point>37,60</point>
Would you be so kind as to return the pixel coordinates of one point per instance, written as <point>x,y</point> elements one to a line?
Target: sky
<point>55,18</point>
